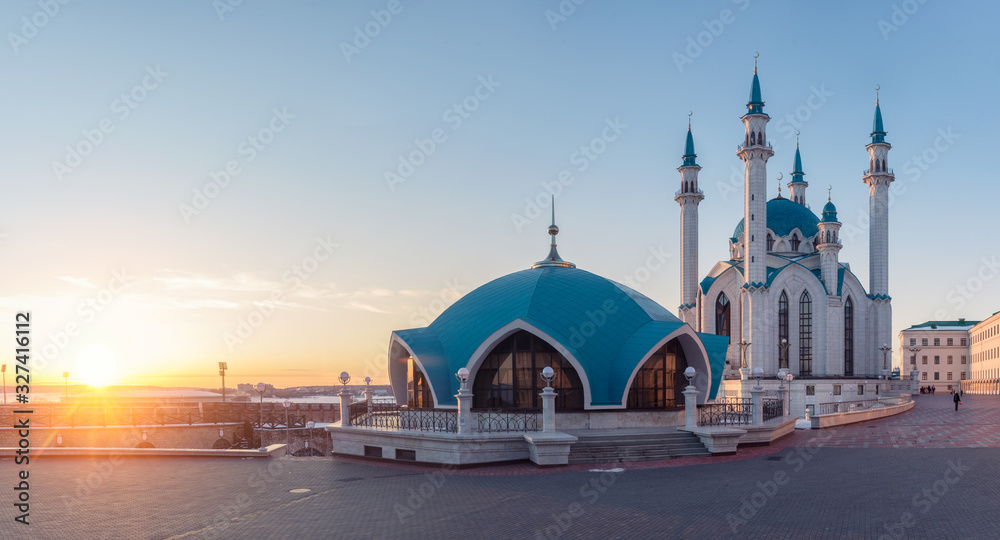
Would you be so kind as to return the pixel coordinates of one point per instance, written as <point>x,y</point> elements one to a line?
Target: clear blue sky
<point>554,82</point>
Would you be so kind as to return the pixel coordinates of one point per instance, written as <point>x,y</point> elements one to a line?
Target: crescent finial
<point>755,55</point>
<point>829,189</point>
<point>780,176</point>
<point>877,88</point>
<point>690,113</point>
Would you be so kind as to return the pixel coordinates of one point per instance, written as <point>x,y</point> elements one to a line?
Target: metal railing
<point>773,408</point>
<point>733,411</point>
<point>862,405</point>
<point>506,420</point>
<point>228,413</point>
<point>389,416</point>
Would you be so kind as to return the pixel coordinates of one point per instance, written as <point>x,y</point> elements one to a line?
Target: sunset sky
<point>121,118</point>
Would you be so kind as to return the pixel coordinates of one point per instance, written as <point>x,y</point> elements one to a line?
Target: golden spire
<point>782,175</point>
<point>689,119</point>
<point>828,190</point>
<point>877,88</point>
<point>755,55</point>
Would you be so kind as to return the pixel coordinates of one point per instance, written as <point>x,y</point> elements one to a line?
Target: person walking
<point>957,399</point>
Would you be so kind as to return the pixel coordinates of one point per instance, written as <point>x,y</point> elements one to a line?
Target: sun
<point>96,365</point>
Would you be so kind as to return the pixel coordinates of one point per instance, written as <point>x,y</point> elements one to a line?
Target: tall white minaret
<point>878,177</point>
<point>755,152</point>
<point>688,197</point>
<point>829,247</point>
<point>831,359</point>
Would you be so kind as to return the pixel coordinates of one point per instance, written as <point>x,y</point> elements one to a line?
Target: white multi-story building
<point>985,354</point>
<point>939,350</point>
<point>783,297</point>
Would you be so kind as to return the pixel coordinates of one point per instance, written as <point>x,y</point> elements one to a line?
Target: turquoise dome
<point>829,212</point>
<point>608,327</point>
<point>784,215</point>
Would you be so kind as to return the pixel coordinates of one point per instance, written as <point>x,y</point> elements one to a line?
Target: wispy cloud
<point>80,282</point>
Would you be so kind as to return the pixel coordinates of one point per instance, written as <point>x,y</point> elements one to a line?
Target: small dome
<point>829,212</point>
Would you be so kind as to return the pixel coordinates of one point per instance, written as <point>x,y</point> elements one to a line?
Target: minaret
<point>688,197</point>
<point>878,177</point>
<point>755,152</point>
<point>797,187</point>
<point>829,247</point>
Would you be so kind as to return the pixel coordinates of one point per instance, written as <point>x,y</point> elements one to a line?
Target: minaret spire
<point>878,177</point>
<point>797,187</point>
<point>553,260</point>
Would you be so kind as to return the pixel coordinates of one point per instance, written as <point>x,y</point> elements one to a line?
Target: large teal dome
<point>785,215</point>
<point>608,327</point>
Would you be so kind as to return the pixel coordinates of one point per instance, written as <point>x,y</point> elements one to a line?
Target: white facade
<point>784,283</point>
<point>944,355</point>
<point>985,354</point>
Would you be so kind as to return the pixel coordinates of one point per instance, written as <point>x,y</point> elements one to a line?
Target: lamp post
<point>223,366</point>
<point>757,398</point>
<point>310,425</point>
<point>913,358</point>
<point>345,399</point>
<point>782,376</point>
<point>66,380</point>
<point>783,359</point>
<point>260,388</point>
<point>3,372</point>
<point>885,367</point>
<point>548,396</point>
<point>744,345</point>
<point>690,399</point>
<point>758,374</point>
<point>285,404</point>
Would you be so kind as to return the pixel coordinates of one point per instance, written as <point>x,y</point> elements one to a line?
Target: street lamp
<point>260,388</point>
<point>310,425</point>
<point>285,404</point>
<point>223,366</point>
<point>913,358</point>
<point>783,358</point>
<point>3,372</point>
<point>66,379</point>
<point>782,376</point>
<point>744,345</point>
<point>689,373</point>
<point>758,374</point>
<point>463,378</point>
<point>885,368</point>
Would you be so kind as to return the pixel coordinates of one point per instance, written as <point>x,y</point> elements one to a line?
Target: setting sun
<point>96,365</point>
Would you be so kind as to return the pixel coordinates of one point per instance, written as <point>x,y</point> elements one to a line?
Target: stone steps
<point>618,448</point>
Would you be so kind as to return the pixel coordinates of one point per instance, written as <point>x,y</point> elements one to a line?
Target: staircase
<point>617,447</point>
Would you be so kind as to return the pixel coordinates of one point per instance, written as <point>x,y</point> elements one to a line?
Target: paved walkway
<point>848,482</point>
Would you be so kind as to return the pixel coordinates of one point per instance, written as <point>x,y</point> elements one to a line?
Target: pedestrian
<point>958,400</point>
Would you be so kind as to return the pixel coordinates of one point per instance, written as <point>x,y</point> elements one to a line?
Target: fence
<point>732,411</point>
<point>389,416</point>
<point>862,405</point>
<point>506,420</point>
<point>272,415</point>
<point>773,408</point>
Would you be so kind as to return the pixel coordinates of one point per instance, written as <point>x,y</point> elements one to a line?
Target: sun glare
<point>96,365</point>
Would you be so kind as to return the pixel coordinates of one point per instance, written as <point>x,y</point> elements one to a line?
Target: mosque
<point>783,301</point>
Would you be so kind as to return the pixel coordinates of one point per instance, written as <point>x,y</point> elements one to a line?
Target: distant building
<point>940,351</point>
<point>985,355</point>
<point>252,388</point>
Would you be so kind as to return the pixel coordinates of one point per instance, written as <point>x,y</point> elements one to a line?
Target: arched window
<point>770,243</point>
<point>877,165</point>
<point>883,166</point>
<point>722,315</point>
<point>418,392</point>
<point>795,242</point>
<point>783,327</point>
<point>657,382</point>
<point>849,337</point>
<point>760,138</point>
<point>753,138</point>
<point>508,377</point>
<point>805,334</point>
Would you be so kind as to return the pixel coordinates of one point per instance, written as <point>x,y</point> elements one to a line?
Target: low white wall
<point>618,419</point>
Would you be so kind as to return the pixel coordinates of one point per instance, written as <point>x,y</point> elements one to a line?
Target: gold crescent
<point>781,176</point>
<point>756,54</point>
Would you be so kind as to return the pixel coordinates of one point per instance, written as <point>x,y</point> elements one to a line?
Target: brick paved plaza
<point>928,473</point>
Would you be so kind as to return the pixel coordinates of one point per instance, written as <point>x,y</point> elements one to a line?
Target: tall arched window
<point>760,138</point>
<point>848,337</point>
<point>794,242</point>
<point>508,377</point>
<point>783,327</point>
<point>770,242</point>
<point>883,166</point>
<point>658,382</point>
<point>805,334</point>
<point>753,138</point>
<point>722,315</point>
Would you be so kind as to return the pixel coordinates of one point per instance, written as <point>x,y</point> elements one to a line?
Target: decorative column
<point>782,393</point>
<point>690,400</point>
<point>368,392</point>
<point>345,400</point>
<point>757,398</point>
<point>464,396</point>
<point>548,401</point>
